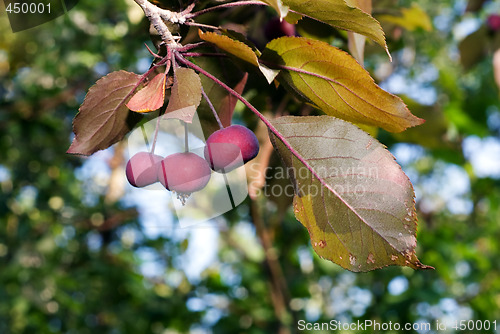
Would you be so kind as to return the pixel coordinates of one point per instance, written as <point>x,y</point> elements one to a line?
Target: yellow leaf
<point>336,83</point>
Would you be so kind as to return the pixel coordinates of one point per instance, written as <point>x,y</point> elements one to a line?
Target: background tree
<point>75,257</point>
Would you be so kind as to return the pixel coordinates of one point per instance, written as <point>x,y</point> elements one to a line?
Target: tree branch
<point>157,16</point>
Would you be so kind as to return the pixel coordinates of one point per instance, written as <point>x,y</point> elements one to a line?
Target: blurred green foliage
<point>69,265</point>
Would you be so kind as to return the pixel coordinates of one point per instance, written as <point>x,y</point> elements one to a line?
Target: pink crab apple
<point>184,173</point>
<point>493,22</point>
<point>226,148</point>
<point>142,169</point>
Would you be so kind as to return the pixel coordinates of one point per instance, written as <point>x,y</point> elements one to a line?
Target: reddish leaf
<point>151,97</point>
<point>103,118</point>
<point>228,102</point>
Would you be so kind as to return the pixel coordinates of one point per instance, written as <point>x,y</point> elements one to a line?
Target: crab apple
<point>226,148</point>
<point>142,169</point>
<point>277,28</point>
<point>493,22</point>
<point>184,173</point>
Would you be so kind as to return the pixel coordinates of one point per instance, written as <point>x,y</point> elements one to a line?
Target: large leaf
<point>351,195</point>
<point>103,118</point>
<point>185,95</point>
<point>333,81</point>
<point>339,14</point>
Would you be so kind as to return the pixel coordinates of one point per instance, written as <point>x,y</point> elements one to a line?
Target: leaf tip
<point>75,148</point>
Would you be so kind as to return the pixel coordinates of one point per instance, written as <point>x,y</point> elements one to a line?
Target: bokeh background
<point>83,252</point>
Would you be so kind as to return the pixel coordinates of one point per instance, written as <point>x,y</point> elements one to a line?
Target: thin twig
<point>201,25</point>
<point>203,54</point>
<point>188,47</point>
<point>152,53</point>
<point>226,5</point>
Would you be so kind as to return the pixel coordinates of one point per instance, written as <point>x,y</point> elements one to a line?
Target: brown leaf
<point>103,118</point>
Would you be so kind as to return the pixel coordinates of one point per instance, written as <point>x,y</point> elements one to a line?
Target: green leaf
<point>411,18</point>
<point>350,194</point>
<point>334,82</point>
<point>103,118</point>
<point>185,95</point>
<point>473,48</point>
<point>339,14</point>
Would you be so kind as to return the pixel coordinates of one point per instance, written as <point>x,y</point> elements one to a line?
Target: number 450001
<point>25,8</point>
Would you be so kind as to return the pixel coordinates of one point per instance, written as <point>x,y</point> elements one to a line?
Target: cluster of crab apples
<point>186,172</point>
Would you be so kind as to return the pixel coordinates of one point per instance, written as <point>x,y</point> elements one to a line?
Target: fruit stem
<point>145,136</point>
<point>271,127</point>
<point>156,132</point>
<point>212,108</point>
<point>186,141</point>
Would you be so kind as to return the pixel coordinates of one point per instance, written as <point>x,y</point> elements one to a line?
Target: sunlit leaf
<point>151,97</point>
<point>232,46</point>
<point>333,81</point>
<point>350,194</point>
<point>103,118</point>
<point>238,49</point>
